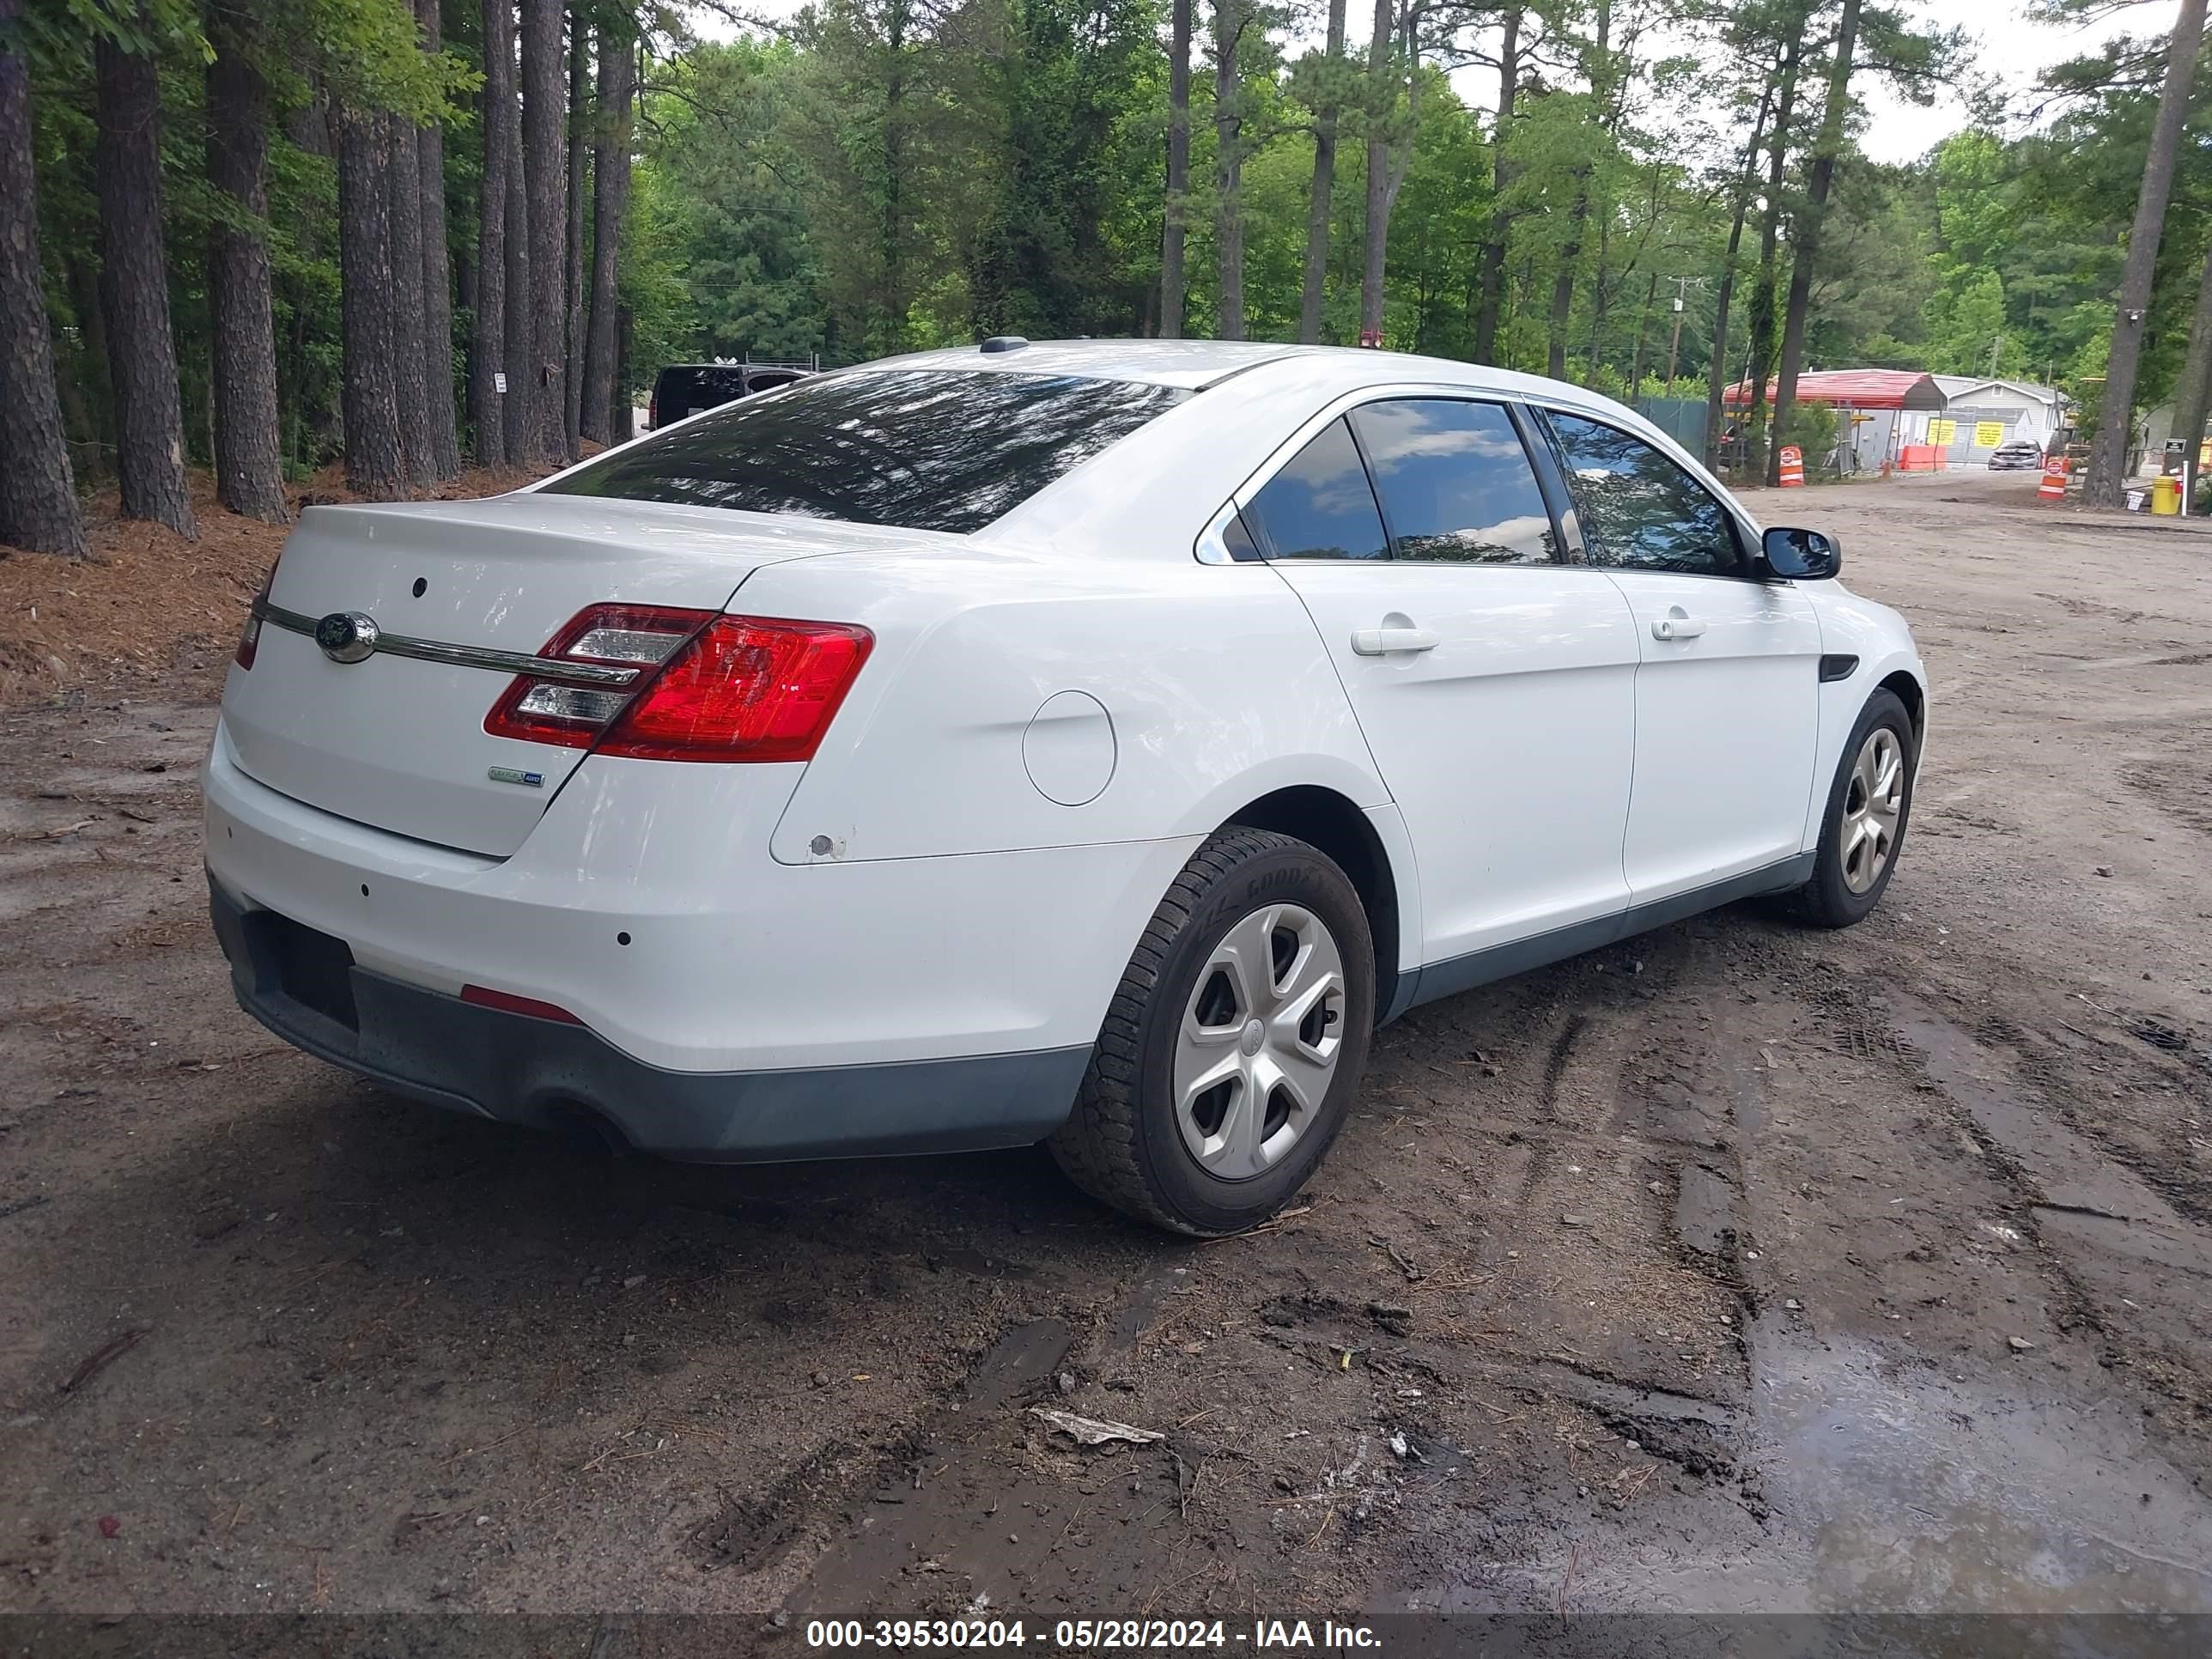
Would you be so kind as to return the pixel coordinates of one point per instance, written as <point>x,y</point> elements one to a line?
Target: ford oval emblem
<point>346,636</point>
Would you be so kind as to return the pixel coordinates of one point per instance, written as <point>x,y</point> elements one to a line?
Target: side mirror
<point>1802,554</point>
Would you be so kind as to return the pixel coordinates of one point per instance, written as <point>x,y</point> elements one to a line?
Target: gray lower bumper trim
<point>539,1071</point>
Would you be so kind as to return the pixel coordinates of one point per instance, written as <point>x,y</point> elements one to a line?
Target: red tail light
<point>249,637</point>
<point>652,412</point>
<point>726,688</point>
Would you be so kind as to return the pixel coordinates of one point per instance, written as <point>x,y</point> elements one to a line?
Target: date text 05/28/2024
<point>1090,1635</point>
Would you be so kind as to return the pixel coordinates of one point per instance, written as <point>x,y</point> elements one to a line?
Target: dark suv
<point>683,389</point>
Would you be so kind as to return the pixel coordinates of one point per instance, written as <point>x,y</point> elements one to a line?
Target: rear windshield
<point>922,449</point>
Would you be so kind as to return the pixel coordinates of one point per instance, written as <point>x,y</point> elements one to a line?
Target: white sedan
<point>1092,742</point>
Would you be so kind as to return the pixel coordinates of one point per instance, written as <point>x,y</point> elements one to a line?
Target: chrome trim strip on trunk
<point>465,656</point>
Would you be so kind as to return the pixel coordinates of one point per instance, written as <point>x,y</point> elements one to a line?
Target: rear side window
<point>1319,506</point>
<point>682,391</point>
<point>1641,511</point>
<point>1454,482</point>
<point>922,449</point>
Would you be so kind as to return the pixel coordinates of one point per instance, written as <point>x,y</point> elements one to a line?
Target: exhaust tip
<point>583,1127</point>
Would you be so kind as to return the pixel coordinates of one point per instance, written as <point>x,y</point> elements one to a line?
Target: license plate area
<point>307,967</point>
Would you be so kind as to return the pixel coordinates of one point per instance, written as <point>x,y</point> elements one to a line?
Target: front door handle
<point>1677,624</point>
<point>1389,641</point>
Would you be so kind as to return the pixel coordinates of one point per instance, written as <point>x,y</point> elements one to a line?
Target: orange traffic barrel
<point>1793,466</point>
<point>2053,487</point>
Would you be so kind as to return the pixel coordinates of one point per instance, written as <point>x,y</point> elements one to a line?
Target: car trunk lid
<point>397,739</point>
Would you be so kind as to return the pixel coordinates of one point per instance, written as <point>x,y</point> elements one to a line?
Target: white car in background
<point>1091,742</point>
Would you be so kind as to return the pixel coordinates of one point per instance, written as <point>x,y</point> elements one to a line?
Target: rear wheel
<point>1234,1043</point>
<point>1867,805</point>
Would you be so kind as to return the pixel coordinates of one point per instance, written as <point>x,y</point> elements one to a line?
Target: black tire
<point>1827,901</point>
<point>1122,1143</point>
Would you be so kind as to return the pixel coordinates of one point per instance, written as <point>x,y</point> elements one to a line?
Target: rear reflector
<point>507,1003</point>
<point>727,689</point>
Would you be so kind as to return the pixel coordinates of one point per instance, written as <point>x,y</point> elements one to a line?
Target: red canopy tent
<point>1855,388</point>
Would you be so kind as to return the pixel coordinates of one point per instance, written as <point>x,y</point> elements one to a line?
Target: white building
<point>2019,409</point>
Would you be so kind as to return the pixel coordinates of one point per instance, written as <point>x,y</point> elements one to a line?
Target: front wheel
<point>1867,805</point>
<point>1234,1041</point>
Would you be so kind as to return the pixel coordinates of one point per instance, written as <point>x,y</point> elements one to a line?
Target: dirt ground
<point>1735,1268</point>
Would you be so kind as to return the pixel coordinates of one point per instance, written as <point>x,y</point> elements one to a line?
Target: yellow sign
<point>1988,435</point>
<point>1942,432</point>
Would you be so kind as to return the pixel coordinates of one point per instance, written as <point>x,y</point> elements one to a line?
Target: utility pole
<point>1683,286</point>
<point>1996,345</point>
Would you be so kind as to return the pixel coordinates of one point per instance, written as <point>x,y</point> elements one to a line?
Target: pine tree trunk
<point>134,289</point>
<point>522,370</point>
<point>891,230</point>
<point>1173,233</point>
<point>1492,284</point>
<point>622,422</point>
<point>489,365</point>
<point>544,107</point>
<point>1324,188</point>
<point>1717,370</point>
<point>443,439</point>
<point>1562,286</point>
<point>249,477</point>
<point>1376,248</point>
<point>375,456</point>
<point>1229,167</point>
<point>1810,223</point>
<point>1769,231</point>
<point>572,356</point>
<point>1570,251</point>
<point>92,380</point>
<point>37,494</point>
<point>1598,306</point>
<point>2108,450</point>
<point>1642,329</point>
<point>403,198</point>
<point>609,200</point>
<point>1563,277</point>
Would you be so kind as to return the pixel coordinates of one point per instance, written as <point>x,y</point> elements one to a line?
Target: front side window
<point>1641,511</point>
<point>1319,506</point>
<point>922,449</point>
<point>1454,482</point>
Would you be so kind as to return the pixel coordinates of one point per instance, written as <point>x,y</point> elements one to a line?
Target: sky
<point>2009,48</point>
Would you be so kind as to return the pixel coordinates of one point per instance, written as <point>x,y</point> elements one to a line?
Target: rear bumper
<point>647,904</point>
<point>547,1074</point>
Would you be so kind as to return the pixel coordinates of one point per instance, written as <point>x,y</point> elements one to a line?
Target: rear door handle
<point>1677,624</point>
<point>1390,641</point>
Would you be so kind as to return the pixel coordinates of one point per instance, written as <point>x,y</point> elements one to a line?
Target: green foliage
<point>884,175</point>
<point>719,247</point>
<point>1812,428</point>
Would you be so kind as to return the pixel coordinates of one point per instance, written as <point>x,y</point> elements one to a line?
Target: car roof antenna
<point>1005,342</point>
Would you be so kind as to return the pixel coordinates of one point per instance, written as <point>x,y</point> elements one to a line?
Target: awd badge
<point>509,774</point>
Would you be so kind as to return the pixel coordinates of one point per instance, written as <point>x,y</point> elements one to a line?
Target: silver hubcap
<point>1259,1042</point>
<point>1873,801</point>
